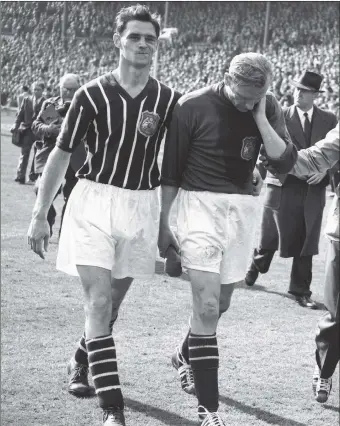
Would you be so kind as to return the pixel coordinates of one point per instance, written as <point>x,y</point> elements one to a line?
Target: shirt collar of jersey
<point>113,81</point>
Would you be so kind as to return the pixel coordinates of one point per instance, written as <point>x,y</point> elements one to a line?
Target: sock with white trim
<point>80,355</point>
<point>103,366</point>
<point>204,361</point>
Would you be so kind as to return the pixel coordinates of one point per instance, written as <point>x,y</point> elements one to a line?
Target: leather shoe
<point>306,302</point>
<point>20,180</point>
<point>113,417</point>
<point>251,275</point>
<point>78,384</point>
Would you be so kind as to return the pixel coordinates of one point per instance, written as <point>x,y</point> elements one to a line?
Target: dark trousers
<point>334,176</point>
<point>301,272</point>
<point>32,175</point>
<point>328,331</point>
<point>27,142</point>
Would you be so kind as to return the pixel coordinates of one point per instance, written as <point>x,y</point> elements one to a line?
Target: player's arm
<point>176,149</point>
<point>280,151</point>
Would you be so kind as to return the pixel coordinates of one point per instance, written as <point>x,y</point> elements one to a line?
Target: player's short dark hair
<point>25,89</point>
<point>138,12</point>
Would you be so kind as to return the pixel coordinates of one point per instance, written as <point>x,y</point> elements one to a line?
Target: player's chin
<point>242,109</point>
<point>142,60</point>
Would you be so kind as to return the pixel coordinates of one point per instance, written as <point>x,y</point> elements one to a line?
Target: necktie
<point>307,129</point>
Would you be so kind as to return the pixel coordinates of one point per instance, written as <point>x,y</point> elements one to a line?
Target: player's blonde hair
<point>250,69</point>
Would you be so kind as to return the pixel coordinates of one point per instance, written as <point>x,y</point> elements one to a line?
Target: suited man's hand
<point>316,178</point>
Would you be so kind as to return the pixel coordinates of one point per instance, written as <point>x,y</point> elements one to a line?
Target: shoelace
<point>185,371</point>
<point>186,375</point>
<point>82,370</point>
<point>324,385</point>
<point>212,419</point>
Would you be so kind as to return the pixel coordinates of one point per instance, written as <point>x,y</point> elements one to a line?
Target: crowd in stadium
<point>301,35</point>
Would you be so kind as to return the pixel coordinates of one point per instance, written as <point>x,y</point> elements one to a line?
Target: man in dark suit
<point>28,111</point>
<point>293,208</point>
<point>24,93</point>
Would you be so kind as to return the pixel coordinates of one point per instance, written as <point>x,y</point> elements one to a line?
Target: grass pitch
<point>266,340</point>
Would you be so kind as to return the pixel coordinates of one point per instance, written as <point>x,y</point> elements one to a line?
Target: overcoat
<point>292,214</point>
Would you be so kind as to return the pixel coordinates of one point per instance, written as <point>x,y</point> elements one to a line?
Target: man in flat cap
<point>293,208</point>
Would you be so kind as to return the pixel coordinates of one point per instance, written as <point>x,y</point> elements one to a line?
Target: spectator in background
<point>47,131</point>
<point>28,111</point>
<point>48,92</point>
<point>25,92</point>
<point>234,26</point>
<point>37,100</point>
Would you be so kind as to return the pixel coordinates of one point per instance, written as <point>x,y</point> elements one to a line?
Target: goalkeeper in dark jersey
<point>209,164</point>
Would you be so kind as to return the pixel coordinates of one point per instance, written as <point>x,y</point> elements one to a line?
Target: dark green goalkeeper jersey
<point>212,146</point>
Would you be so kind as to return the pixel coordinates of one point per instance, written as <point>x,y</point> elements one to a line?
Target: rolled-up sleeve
<point>275,116</point>
<point>76,123</point>
<point>177,143</point>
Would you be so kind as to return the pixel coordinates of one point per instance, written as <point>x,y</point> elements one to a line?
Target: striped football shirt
<point>122,135</point>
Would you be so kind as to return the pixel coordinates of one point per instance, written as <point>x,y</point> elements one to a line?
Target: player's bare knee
<point>209,309</point>
<point>99,306</point>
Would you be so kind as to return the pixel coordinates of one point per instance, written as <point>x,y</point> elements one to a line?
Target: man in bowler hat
<point>293,208</point>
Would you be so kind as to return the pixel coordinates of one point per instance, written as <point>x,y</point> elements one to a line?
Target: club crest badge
<point>248,147</point>
<point>148,123</point>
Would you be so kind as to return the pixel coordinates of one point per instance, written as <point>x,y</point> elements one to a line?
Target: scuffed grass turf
<point>266,339</point>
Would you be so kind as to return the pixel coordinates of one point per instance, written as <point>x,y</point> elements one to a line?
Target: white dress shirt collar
<point>301,114</point>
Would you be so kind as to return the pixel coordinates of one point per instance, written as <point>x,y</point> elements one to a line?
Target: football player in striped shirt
<point>209,161</point>
<point>110,228</point>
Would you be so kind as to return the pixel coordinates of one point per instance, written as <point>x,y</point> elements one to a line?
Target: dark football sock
<point>103,367</point>
<point>112,323</point>
<point>204,360</point>
<point>81,352</point>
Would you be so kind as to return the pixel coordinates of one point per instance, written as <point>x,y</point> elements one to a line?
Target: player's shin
<point>103,366</point>
<point>80,355</point>
<point>204,360</point>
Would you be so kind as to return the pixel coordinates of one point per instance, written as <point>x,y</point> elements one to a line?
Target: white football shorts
<point>111,228</point>
<point>216,232</point>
